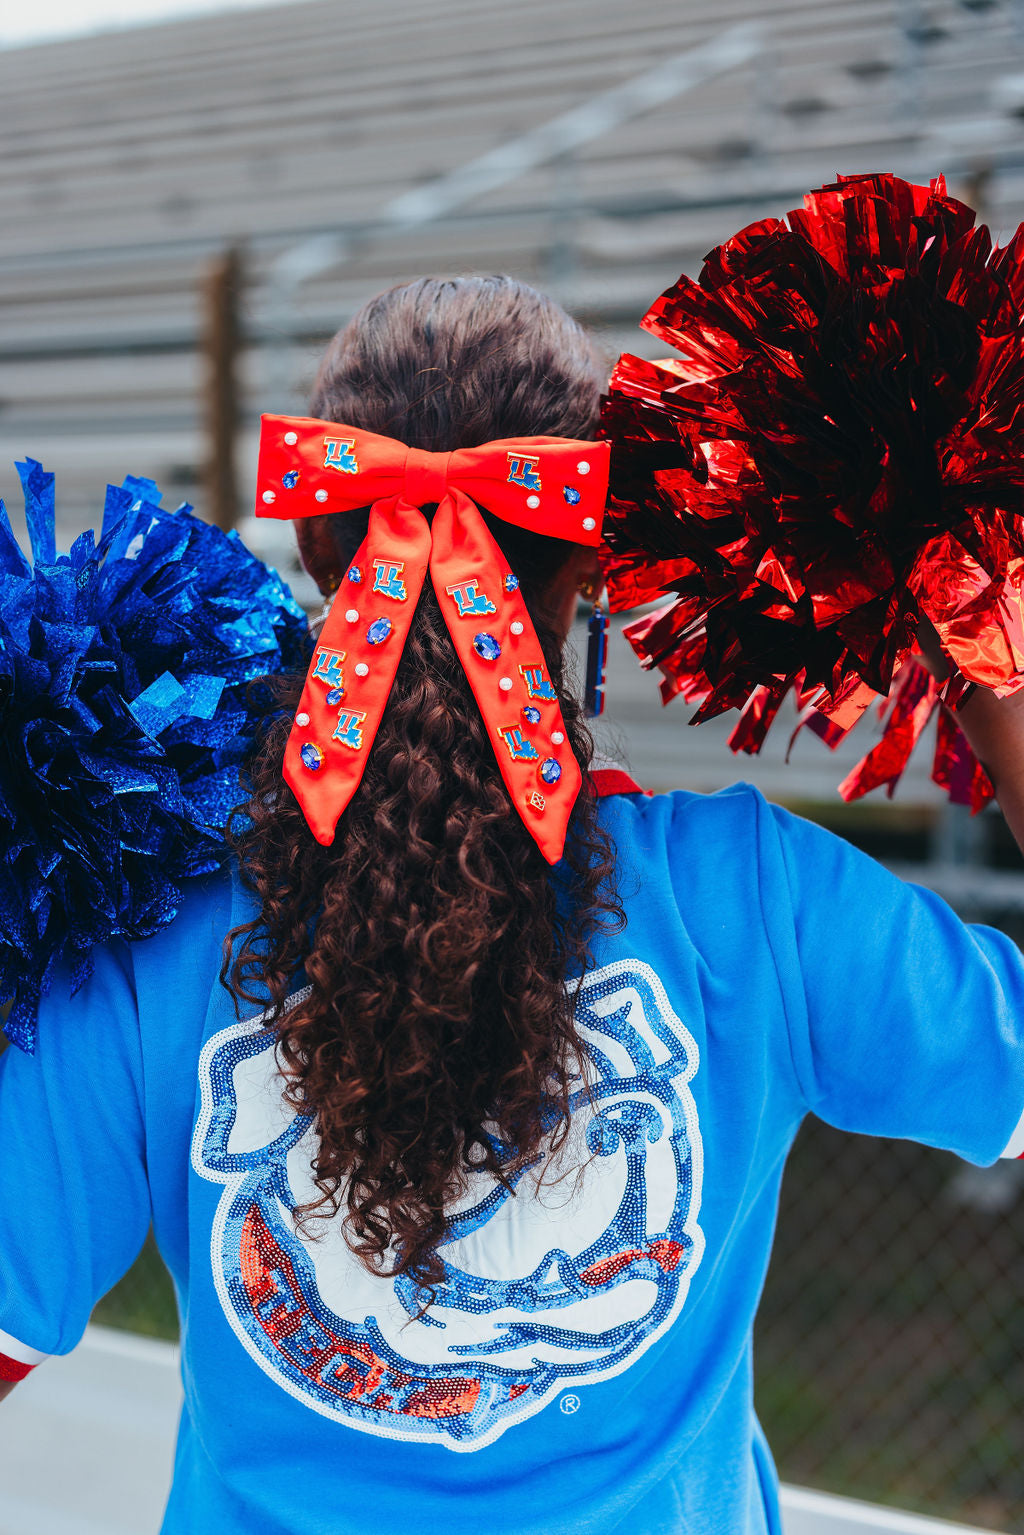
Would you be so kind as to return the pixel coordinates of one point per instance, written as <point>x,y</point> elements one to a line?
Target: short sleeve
<point>74,1200</point>
<point>903,1020</point>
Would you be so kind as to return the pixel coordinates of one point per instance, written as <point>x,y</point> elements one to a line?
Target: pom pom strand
<point>836,452</point>
<point>126,716</point>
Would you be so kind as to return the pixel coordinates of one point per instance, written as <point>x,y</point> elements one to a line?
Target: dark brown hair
<point>437,1036</point>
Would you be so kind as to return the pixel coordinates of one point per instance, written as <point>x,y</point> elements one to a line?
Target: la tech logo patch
<point>544,1293</point>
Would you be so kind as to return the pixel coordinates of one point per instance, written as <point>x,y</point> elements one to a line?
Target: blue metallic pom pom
<point>334,697</point>
<point>550,771</point>
<point>126,714</point>
<point>355,575</point>
<point>290,480</point>
<point>571,494</point>
<point>486,646</point>
<point>312,757</point>
<point>531,714</point>
<point>378,631</point>
<point>511,583</point>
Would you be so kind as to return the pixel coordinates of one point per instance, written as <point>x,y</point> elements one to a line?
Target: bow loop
<point>554,486</point>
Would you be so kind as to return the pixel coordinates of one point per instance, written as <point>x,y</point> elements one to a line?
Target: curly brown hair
<point>437,1036</point>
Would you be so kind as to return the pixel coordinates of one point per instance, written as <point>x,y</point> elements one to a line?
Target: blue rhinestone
<point>290,480</point>
<point>378,631</point>
<point>486,646</point>
<point>531,714</point>
<point>511,583</point>
<point>550,771</point>
<point>571,494</point>
<point>355,575</point>
<point>312,757</point>
<point>335,696</point>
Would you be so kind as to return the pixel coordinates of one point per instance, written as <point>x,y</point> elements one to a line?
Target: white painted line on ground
<point>819,1513</point>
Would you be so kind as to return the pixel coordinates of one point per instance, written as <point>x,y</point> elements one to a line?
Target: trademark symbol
<point>570,1403</point>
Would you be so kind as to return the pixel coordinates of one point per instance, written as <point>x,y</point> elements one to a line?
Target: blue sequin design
<point>312,757</point>
<point>531,714</point>
<point>511,583</point>
<point>549,771</point>
<point>378,631</point>
<point>355,575</point>
<point>511,1339</point>
<point>571,495</point>
<point>290,479</point>
<point>335,696</point>
<point>486,647</point>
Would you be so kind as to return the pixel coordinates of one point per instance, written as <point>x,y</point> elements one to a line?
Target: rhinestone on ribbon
<point>571,495</point>
<point>511,583</point>
<point>355,575</point>
<point>290,480</point>
<point>312,757</point>
<point>531,714</point>
<point>486,647</point>
<point>334,697</point>
<point>378,631</point>
<point>549,771</point>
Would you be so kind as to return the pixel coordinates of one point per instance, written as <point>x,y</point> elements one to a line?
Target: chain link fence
<point>890,1341</point>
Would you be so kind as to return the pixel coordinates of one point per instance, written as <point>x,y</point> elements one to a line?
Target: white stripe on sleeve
<point>20,1352</point>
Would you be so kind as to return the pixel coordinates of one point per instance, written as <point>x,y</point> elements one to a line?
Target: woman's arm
<point>995,729</point>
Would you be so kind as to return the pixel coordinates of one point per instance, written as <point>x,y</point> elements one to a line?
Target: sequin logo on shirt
<point>544,1293</point>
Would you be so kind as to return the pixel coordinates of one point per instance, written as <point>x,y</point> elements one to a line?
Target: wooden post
<point>220,345</point>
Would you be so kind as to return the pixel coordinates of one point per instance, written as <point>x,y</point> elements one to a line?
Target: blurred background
<point>191,205</point>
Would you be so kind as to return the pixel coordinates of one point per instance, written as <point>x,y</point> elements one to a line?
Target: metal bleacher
<point>131,159</point>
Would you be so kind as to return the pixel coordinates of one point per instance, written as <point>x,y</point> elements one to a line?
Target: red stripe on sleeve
<point>606,781</point>
<point>12,1369</point>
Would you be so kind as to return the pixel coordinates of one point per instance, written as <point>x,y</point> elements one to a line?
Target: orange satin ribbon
<point>555,486</point>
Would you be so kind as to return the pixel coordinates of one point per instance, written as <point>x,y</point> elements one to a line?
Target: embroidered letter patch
<point>327,667</point>
<point>340,455</point>
<point>523,471</point>
<point>468,600</point>
<point>387,579</point>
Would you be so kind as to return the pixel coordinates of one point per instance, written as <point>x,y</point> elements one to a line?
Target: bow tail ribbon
<point>515,696</point>
<point>354,664</point>
<point>359,649</point>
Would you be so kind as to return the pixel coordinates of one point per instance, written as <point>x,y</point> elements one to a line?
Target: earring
<point>333,583</point>
<point>597,652</point>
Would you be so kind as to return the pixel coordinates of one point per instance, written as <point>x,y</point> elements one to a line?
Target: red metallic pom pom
<point>834,455</point>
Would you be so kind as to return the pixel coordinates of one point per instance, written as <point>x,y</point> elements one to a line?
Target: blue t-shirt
<point>586,1365</point>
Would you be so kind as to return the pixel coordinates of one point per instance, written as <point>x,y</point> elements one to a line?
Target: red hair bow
<point>550,485</point>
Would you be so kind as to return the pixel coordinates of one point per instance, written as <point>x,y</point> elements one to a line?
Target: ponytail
<point>437,1035</point>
